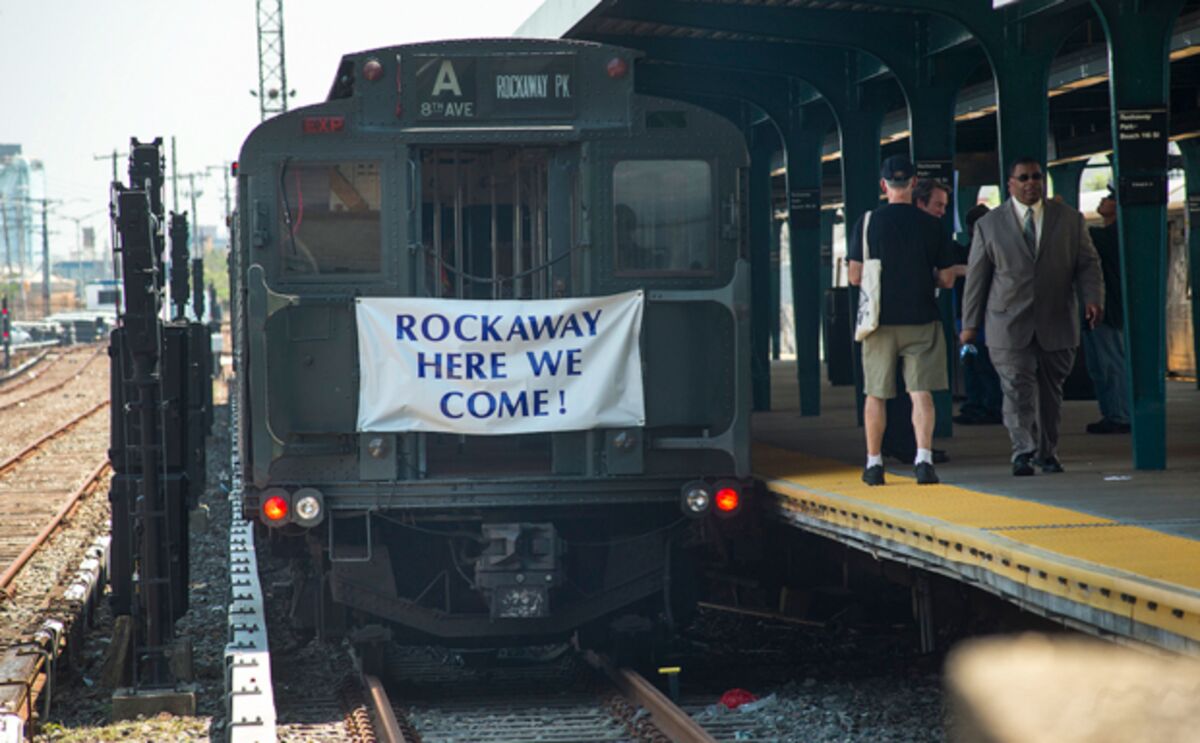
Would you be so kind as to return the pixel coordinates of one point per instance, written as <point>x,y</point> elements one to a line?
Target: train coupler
<point>519,565</point>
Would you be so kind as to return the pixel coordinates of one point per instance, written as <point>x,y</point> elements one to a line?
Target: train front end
<point>492,328</point>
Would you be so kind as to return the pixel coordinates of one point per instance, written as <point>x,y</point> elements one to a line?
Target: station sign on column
<point>805,207</point>
<point>1142,136</point>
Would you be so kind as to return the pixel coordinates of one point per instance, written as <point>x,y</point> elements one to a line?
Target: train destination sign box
<point>516,86</point>
<point>499,366</point>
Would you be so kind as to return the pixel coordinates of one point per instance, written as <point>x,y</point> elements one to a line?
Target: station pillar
<point>1139,36</point>
<point>1065,177</point>
<point>1191,169</point>
<point>805,138</point>
<point>931,117</point>
<point>763,144</point>
<point>860,127</point>
<point>829,219</point>
<point>776,258</point>
<point>1021,86</point>
<point>1020,52</point>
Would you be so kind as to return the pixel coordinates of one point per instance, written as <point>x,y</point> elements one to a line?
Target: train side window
<point>329,218</point>
<point>663,217</point>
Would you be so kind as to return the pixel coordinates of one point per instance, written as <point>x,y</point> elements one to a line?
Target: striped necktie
<point>1030,232</point>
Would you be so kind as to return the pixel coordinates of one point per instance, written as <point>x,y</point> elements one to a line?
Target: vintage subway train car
<point>492,341</point>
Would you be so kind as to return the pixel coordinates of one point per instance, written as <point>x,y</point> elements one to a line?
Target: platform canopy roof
<point>887,36</point>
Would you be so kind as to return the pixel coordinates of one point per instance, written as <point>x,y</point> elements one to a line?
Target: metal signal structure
<point>272,74</point>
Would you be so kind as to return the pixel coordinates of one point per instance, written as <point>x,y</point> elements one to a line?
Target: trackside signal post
<point>153,450</point>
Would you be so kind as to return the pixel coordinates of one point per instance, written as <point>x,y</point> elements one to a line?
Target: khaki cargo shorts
<point>923,348</point>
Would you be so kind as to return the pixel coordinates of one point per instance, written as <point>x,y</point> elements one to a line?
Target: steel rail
<point>52,388</point>
<point>10,573</point>
<point>666,715</point>
<point>17,458</point>
<point>388,727</point>
<point>26,667</point>
<point>23,368</point>
<point>31,376</point>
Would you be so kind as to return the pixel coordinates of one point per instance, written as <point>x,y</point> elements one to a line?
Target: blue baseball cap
<point>896,168</point>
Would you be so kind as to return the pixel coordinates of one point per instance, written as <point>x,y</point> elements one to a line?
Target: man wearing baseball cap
<point>916,258</point>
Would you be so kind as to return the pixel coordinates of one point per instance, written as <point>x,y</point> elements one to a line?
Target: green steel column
<point>860,192</point>
<point>776,238</point>
<point>805,137</point>
<point>1191,164</point>
<point>1021,86</point>
<point>1065,177</point>
<point>931,117</point>
<point>1021,52</point>
<point>1139,35</point>
<point>758,211</point>
<point>860,164</point>
<point>828,218</point>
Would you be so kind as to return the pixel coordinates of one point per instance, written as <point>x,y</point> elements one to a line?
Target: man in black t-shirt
<point>916,258</point>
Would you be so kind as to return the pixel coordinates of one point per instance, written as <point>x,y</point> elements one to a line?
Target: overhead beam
<point>555,18</point>
<point>890,41</point>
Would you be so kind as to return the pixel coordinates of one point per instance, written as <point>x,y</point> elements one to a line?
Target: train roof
<point>343,82</point>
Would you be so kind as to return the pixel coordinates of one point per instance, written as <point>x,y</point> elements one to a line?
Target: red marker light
<point>233,167</point>
<point>727,500</point>
<point>275,508</point>
<point>617,68</point>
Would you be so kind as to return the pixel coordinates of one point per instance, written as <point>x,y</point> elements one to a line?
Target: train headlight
<point>276,505</point>
<point>308,507</point>
<point>697,498</point>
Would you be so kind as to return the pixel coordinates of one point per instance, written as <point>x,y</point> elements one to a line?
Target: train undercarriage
<point>499,577</point>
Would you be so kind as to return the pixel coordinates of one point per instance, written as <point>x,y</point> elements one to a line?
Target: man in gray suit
<point>1028,259</point>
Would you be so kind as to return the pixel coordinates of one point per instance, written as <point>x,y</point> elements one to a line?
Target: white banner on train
<point>499,366</point>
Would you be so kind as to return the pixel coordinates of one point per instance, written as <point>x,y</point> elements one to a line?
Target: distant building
<point>83,271</point>
<point>16,212</point>
<point>209,239</point>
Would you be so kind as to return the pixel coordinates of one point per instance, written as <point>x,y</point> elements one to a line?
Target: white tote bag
<point>868,294</point>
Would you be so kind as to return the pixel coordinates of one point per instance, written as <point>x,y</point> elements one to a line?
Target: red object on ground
<point>735,698</point>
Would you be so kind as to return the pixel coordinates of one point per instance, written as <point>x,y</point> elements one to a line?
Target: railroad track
<point>23,369</point>
<point>562,700</point>
<point>41,488</point>
<point>57,373</point>
<point>38,492</point>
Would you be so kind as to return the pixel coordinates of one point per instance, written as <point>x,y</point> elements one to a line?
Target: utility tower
<point>273,91</point>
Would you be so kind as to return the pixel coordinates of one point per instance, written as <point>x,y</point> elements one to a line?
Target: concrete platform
<point>1101,546</point>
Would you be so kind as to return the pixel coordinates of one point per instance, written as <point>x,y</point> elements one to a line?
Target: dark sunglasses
<point>1028,176</point>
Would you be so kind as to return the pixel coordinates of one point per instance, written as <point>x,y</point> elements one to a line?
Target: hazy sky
<point>81,77</point>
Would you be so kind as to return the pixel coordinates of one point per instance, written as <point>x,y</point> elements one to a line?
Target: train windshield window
<point>484,222</point>
<point>329,218</point>
<point>663,217</point>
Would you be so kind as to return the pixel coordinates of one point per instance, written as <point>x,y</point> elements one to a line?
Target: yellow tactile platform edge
<point>1144,575</point>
